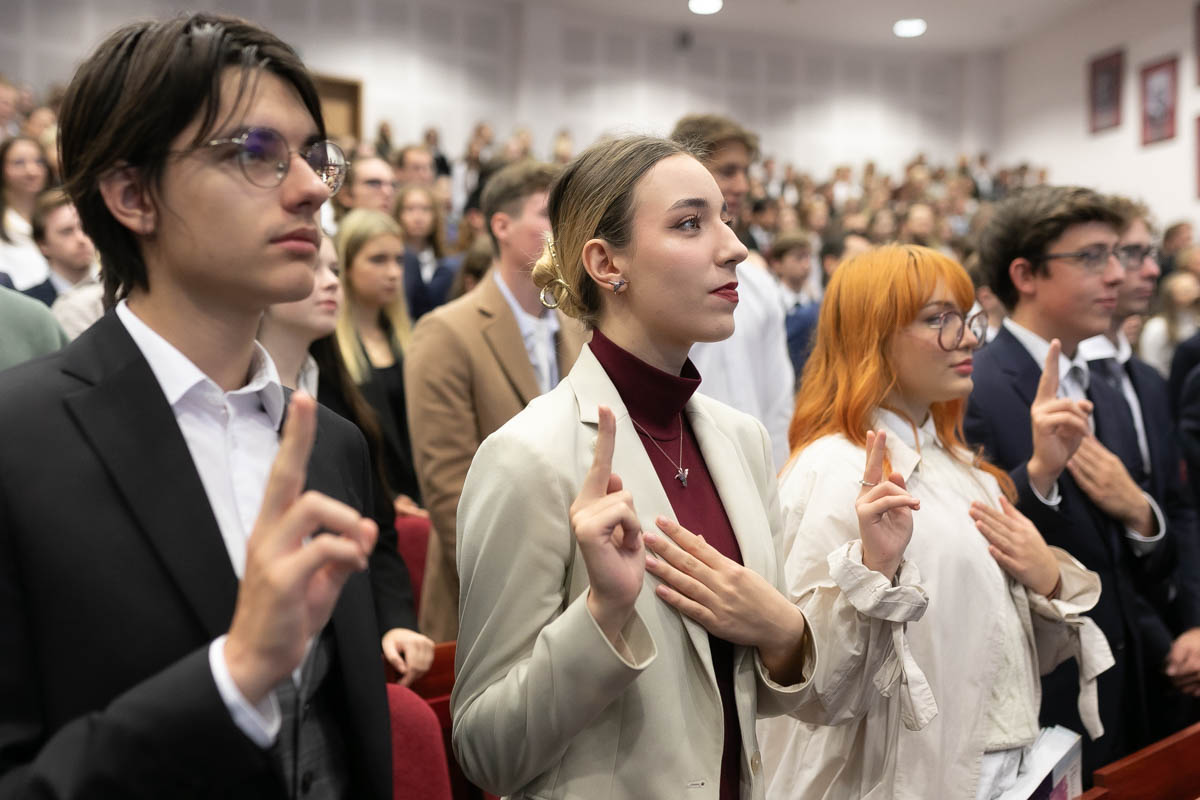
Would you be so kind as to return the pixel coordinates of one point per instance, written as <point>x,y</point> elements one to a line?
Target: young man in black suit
<point>1051,256</point>
<point>1145,392</point>
<point>178,616</point>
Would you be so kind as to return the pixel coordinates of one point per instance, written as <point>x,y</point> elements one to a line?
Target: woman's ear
<point>129,200</point>
<point>603,264</point>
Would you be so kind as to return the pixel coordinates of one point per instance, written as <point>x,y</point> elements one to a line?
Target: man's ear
<point>601,262</point>
<point>129,200</point>
<point>499,225</point>
<point>1020,272</point>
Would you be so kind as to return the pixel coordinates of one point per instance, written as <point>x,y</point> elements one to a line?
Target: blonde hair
<point>356,230</point>
<point>593,199</point>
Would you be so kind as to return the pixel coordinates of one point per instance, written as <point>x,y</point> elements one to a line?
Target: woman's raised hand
<point>609,535</point>
<point>884,510</point>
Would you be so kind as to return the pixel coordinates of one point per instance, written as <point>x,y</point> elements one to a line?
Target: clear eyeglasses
<point>952,327</point>
<point>265,158</point>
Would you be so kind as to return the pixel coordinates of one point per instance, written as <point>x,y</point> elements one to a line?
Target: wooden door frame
<point>323,80</point>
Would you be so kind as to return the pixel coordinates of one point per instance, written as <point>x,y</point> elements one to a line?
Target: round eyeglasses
<point>264,157</point>
<point>952,327</point>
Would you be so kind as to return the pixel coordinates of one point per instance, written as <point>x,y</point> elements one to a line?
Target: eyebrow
<point>698,203</point>
<point>939,304</point>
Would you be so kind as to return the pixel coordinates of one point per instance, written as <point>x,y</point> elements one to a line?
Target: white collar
<point>1039,348</point>
<point>1099,347</point>
<point>177,375</point>
<point>528,323</point>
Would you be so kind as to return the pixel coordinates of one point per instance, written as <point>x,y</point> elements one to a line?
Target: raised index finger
<point>595,483</point>
<point>289,472</point>
<point>1048,383</point>
<point>876,447</point>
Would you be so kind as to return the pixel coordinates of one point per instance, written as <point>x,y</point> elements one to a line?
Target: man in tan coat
<point>477,361</point>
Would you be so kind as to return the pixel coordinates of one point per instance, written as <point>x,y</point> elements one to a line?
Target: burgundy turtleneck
<point>655,400</point>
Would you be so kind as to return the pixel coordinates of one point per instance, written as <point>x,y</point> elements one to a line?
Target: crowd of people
<point>737,483</point>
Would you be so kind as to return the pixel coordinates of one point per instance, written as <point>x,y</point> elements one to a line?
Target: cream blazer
<point>543,705</point>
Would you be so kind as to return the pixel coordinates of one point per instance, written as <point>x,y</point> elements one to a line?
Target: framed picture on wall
<point>1104,90</point>
<point>1160,90</point>
<point>1196,39</point>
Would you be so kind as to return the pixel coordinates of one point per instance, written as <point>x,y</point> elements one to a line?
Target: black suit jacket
<point>1180,595</point>
<point>1187,356</point>
<point>425,297</point>
<point>114,579</point>
<point>44,291</point>
<point>5,281</point>
<point>997,418</point>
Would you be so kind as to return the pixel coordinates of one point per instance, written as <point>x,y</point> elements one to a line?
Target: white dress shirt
<point>233,438</point>
<point>429,264</point>
<point>21,258</point>
<point>751,370</point>
<point>1074,376</point>
<point>538,333</point>
<point>1099,347</point>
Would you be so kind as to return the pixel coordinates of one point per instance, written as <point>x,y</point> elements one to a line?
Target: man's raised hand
<point>303,549</point>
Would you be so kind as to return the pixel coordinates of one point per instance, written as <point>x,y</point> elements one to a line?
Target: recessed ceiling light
<point>909,28</point>
<point>705,6</point>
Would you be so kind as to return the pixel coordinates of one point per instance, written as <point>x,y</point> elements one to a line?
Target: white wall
<point>451,62</point>
<point>1045,115</point>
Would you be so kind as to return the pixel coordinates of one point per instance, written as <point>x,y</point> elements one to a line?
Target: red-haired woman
<point>964,591</point>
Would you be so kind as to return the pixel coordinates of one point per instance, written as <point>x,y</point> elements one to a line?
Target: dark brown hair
<point>1025,224</point>
<point>1131,211</point>
<point>785,243</point>
<point>136,93</point>
<point>707,133</point>
<point>507,189</point>
<point>47,202</point>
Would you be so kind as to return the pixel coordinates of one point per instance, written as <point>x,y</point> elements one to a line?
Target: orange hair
<point>871,297</point>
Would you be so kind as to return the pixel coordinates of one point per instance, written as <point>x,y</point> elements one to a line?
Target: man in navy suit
<point>179,617</point>
<point>1110,357</point>
<point>69,252</point>
<point>1051,256</point>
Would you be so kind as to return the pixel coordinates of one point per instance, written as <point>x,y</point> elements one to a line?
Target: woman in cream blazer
<point>585,666</point>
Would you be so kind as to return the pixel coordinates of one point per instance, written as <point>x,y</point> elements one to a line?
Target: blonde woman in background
<point>373,329</point>
<point>1176,318</point>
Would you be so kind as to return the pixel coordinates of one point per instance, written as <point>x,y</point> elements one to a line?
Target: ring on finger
<point>868,484</point>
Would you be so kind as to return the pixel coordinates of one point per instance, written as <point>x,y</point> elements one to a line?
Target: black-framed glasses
<point>1134,255</point>
<point>952,327</point>
<point>1094,258</point>
<point>265,158</point>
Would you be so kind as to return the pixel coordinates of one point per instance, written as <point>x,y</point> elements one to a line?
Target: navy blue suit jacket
<point>425,297</point>
<point>1165,484</point>
<point>44,291</point>
<point>5,281</point>
<point>801,323</point>
<point>997,418</point>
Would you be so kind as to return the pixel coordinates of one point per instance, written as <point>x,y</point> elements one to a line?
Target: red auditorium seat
<point>412,539</point>
<point>419,766</point>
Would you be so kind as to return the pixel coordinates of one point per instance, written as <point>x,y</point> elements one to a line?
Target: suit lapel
<point>730,474</point>
<point>127,421</point>
<point>593,388</point>
<point>503,336</point>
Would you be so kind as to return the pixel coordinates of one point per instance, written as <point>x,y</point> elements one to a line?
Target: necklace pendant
<point>681,476</point>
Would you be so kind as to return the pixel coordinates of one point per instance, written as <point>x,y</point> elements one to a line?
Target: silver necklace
<point>681,474</point>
